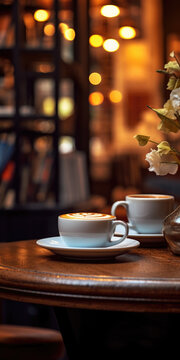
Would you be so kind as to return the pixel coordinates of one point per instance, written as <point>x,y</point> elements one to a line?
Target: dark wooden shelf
<point>6,51</point>
<point>24,59</point>
<point>26,117</point>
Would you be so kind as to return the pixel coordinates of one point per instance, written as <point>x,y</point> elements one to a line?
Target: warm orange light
<point>96,98</point>
<point>115,96</point>
<point>110,11</point>
<point>63,27</point>
<point>69,34</point>
<point>96,40</point>
<point>28,20</point>
<point>111,45</point>
<point>49,29</point>
<point>45,68</point>
<point>41,15</point>
<point>95,78</point>
<point>127,32</point>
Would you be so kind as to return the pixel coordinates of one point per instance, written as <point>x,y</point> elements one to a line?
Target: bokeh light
<point>66,144</point>
<point>127,32</point>
<point>41,15</point>
<point>95,78</point>
<point>110,11</point>
<point>65,107</point>
<point>49,29</point>
<point>45,67</point>
<point>115,96</point>
<point>48,106</point>
<point>111,45</point>
<point>96,98</point>
<point>63,27</point>
<point>96,40</point>
<point>69,34</point>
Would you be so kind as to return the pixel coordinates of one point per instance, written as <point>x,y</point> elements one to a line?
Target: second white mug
<point>146,212</point>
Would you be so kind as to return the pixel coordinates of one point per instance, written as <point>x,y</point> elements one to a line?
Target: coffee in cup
<point>89,229</point>
<point>146,212</point>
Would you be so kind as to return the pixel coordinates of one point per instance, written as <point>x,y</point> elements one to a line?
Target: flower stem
<point>175,151</point>
<point>153,142</point>
<point>172,149</point>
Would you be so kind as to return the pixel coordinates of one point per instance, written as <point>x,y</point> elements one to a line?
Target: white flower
<point>161,164</point>
<point>175,99</point>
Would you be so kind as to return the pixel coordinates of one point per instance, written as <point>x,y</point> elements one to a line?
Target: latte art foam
<point>87,216</point>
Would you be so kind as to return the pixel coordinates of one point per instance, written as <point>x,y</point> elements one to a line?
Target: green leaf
<point>142,139</point>
<point>173,83</point>
<point>167,124</point>
<point>164,148</point>
<point>161,71</point>
<point>172,66</point>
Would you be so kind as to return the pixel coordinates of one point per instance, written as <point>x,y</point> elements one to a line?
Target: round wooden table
<point>88,296</point>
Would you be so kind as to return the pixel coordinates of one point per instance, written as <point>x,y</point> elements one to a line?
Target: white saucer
<point>57,246</point>
<point>143,238</point>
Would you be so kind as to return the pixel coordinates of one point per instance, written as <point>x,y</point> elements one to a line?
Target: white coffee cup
<point>89,229</point>
<point>146,212</point>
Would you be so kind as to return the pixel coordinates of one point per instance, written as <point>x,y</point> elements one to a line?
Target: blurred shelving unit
<point>43,104</point>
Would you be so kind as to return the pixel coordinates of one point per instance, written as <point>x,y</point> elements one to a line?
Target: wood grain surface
<point>141,280</point>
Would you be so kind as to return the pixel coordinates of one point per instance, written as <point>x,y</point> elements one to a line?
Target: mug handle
<point>116,204</point>
<point>125,205</point>
<point>126,226</point>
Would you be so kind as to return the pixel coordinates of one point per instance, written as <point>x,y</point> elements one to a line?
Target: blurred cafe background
<point>75,81</point>
<point>76,77</point>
